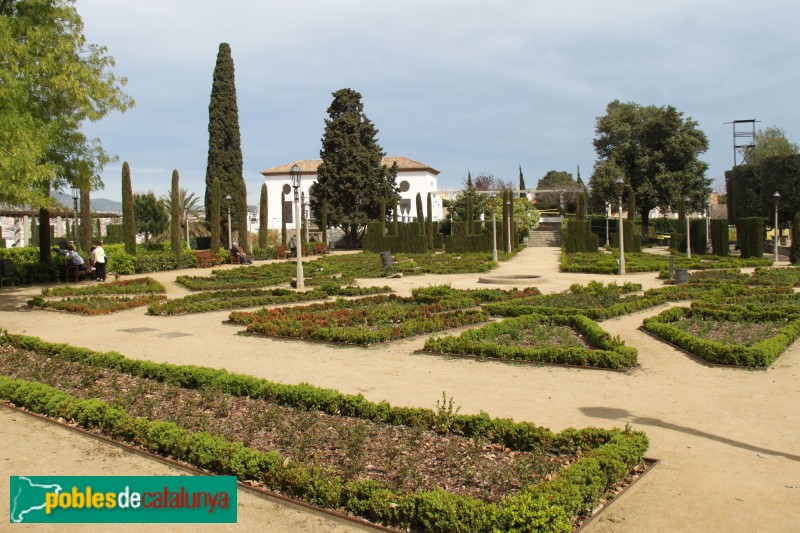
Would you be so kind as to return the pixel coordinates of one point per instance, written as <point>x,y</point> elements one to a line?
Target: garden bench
<point>321,248</point>
<point>74,272</point>
<point>235,259</point>
<point>206,258</point>
<point>280,252</point>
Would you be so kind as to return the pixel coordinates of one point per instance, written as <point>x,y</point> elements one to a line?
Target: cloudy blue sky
<point>458,85</point>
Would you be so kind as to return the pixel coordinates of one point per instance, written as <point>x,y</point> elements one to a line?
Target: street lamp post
<point>296,180</point>
<point>494,227</point>
<point>230,241</point>
<point>708,227</point>
<point>608,214</point>
<point>620,188</point>
<point>75,193</point>
<point>508,221</point>
<point>688,237</point>
<point>777,198</point>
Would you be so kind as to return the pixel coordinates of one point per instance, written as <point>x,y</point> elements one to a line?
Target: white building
<point>412,177</point>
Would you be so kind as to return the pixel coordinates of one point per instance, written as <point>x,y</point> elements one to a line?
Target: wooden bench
<point>321,248</point>
<point>72,272</point>
<point>236,259</point>
<point>281,252</point>
<point>206,258</point>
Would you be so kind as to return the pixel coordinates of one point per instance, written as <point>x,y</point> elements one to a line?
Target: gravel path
<point>728,439</point>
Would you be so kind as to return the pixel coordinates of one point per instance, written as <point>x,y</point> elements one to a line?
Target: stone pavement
<point>727,439</point>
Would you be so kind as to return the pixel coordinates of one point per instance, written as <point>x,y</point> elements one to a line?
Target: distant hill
<point>98,204</point>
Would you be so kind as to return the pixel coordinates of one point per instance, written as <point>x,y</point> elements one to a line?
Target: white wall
<point>419,182</point>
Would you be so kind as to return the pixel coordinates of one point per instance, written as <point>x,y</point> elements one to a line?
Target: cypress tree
<point>521,180</point>
<point>214,209</point>
<point>395,219</point>
<point>794,251</point>
<point>263,218</point>
<point>224,140</point>
<point>324,222</point>
<point>420,215</point>
<point>128,217</point>
<point>175,217</point>
<point>85,224</point>
<point>283,218</point>
<point>240,202</point>
<point>383,216</point>
<point>429,222</point>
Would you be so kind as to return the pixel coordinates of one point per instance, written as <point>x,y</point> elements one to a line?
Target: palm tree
<point>191,211</point>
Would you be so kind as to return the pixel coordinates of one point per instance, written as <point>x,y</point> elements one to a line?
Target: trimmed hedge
<point>607,455</point>
<point>608,352</point>
<point>761,354</point>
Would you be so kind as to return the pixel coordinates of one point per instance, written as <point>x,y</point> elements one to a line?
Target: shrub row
<point>522,436</point>
<point>128,286</point>
<point>624,307</point>
<point>608,455</point>
<point>761,354</point>
<point>550,506</point>
<point>97,305</point>
<point>603,263</point>
<point>608,352</point>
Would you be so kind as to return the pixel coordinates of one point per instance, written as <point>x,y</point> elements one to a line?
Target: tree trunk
<point>645,226</point>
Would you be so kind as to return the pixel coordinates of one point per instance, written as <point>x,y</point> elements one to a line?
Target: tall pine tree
<point>351,178</point>
<point>224,140</point>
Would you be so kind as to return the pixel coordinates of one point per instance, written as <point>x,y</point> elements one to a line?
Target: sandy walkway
<point>728,439</point>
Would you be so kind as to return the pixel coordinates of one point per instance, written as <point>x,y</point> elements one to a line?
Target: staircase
<point>548,234</point>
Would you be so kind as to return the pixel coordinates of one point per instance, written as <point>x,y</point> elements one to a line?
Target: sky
<point>459,85</point>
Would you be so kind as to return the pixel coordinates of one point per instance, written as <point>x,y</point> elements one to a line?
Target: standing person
<point>99,259</point>
<point>292,246</point>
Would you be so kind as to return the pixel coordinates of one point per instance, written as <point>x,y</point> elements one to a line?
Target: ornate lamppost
<point>508,221</point>
<point>608,214</point>
<point>230,239</point>
<point>708,226</point>
<point>75,194</point>
<point>494,227</point>
<point>620,189</point>
<point>296,181</point>
<point>688,237</point>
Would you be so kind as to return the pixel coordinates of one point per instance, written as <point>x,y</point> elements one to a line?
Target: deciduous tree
<point>656,152</point>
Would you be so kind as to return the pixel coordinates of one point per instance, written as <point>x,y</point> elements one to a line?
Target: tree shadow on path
<point>625,415</point>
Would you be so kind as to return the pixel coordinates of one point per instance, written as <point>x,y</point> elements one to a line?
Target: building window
<point>404,186</point>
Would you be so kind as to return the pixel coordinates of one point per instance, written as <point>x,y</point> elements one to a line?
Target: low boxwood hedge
<point>761,354</point>
<point>607,455</point>
<point>608,352</point>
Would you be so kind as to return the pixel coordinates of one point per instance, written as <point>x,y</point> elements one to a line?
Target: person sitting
<point>73,262</point>
<point>236,252</point>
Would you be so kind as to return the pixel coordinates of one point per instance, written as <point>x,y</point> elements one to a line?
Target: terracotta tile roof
<point>309,166</point>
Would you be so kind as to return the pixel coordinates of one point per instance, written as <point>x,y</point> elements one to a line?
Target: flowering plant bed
<point>344,268</point>
<point>408,468</point>
<point>100,299</point>
<point>128,286</point>
<point>593,300</point>
<point>559,339</point>
<point>604,263</point>
<point>96,305</point>
<point>362,321</point>
<point>237,299</point>
<point>737,337</point>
